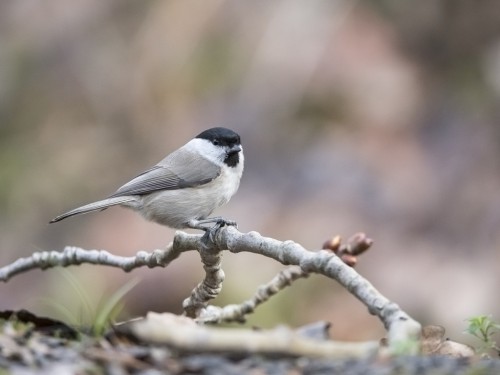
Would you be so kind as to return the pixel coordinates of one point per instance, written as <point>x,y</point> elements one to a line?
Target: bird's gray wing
<point>179,170</point>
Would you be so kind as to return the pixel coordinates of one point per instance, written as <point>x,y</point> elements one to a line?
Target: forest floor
<point>35,345</point>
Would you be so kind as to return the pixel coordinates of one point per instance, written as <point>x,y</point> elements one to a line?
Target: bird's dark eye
<point>215,142</point>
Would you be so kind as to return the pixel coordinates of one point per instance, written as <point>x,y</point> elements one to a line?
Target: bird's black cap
<point>223,136</point>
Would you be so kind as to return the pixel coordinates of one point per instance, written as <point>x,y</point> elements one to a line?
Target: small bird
<point>183,189</point>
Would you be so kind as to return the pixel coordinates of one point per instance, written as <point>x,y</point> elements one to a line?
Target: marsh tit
<point>183,189</point>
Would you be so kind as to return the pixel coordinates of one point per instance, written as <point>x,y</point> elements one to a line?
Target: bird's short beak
<point>234,150</point>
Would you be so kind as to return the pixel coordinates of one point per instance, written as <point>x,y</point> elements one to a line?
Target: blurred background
<point>374,116</point>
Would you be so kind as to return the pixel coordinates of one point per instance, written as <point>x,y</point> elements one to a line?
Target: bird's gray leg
<point>218,220</point>
<point>210,231</point>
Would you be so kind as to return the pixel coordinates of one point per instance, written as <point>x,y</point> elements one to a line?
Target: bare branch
<point>231,313</point>
<point>211,285</point>
<point>400,326</point>
<point>72,256</point>
<point>182,333</point>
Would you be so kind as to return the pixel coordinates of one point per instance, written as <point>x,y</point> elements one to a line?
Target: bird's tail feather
<point>99,205</point>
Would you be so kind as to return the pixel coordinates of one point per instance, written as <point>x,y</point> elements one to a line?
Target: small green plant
<point>98,315</point>
<point>108,311</point>
<point>484,328</point>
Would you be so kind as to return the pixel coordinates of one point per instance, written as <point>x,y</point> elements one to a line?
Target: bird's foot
<point>210,232</point>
